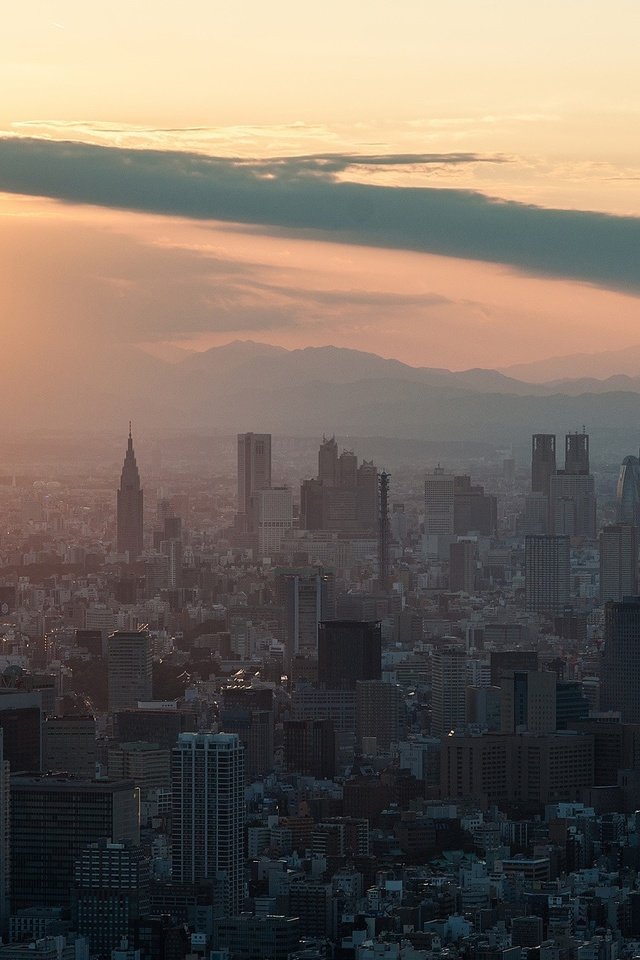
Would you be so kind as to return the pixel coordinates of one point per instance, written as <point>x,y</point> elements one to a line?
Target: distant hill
<point>254,386</point>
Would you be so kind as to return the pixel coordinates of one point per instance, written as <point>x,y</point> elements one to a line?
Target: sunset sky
<point>450,184</point>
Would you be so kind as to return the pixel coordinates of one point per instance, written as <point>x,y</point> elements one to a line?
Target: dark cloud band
<point>303,194</point>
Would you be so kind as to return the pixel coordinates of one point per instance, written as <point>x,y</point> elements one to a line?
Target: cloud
<point>303,196</point>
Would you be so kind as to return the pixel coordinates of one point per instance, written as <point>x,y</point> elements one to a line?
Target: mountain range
<point>246,385</point>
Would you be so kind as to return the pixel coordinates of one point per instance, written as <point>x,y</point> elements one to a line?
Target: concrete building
<point>129,659</point>
<point>449,685</point>
<point>53,818</point>
<point>379,713</point>
<point>348,651</point>
<point>274,518</point>
<point>547,571</point>
<point>69,745</point>
<point>208,813</point>
<point>618,562</point>
<point>439,504</point>
<point>254,473</point>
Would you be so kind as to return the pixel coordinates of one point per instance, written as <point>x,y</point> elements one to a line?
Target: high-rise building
<point>130,506</point>
<point>620,673</point>
<point>543,462</point>
<point>21,723</point>
<point>576,454</point>
<point>628,492</point>
<point>344,496</point>
<point>129,659</point>
<point>53,818</point>
<point>572,505</point>
<point>5,839</point>
<point>463,566</point>
<point>547,573</point>
<point>348,651</point>
<point>110,891</point>
<point>308,596</point>
<point>528,701</point>
<point>69,745</point>
<point>208,813</point>
<point>618,562</point>
<point>379,712</point>
<point>274,518</point>
<point>254,472</point>
<point>310,747</point>
<point>448,696</point>
<point>474,511</point>
<point>255,729</point>
<point>439,503</point>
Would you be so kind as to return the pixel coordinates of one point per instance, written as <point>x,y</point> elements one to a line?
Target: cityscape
<point>320,480</point>
<point>371,714</point>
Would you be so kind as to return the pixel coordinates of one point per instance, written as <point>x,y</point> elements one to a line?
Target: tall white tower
<point>208,813</point>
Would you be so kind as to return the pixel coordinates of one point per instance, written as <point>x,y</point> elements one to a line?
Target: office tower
<point>474,511</point>
<point>5,839</point>
<point>628,492</point>
<point>254,472</point>
<point>572,505</point>
<point>153,724</point>
<point>439,502</point>
<point>348,651</point>
<point>379,713</point>
<point>129,657</point>
<point>53,818</point>
<point>620,672</point>
<point>328,461</point>
<point>208,813</point>
<point>310,748</point>
<point>147,764</point>
<point>69,745</point>
<point>308,596</point>
<point>618,562</point>
<point>130,506</point>
<point>110,891</point>
<point>463,566</point>
<point>448,696</point>
<point>274,518</point>
<point>572,705</point>
<point>547,573</point>
<point>528,702</point>
<point>255,728</point>
<point>272,937</point>
<point>576,454</point>
<point>172,550</point>
<point>536,513</point>
<point>384,531</point>
<point>543,462</point>
<point>343,497</point>
<point>21,722</point>
<point>505,661</point>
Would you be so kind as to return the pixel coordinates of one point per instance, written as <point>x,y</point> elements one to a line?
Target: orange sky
<point>550,88</point>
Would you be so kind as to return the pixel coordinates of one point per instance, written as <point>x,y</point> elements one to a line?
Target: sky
<point>452,185</point>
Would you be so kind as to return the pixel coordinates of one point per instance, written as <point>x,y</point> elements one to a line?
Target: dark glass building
<point>348,651</point>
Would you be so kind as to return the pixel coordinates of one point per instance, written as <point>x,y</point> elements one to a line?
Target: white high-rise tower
<point>208,813</point>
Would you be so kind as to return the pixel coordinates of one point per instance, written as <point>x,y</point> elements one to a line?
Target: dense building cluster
<point>345,716</point>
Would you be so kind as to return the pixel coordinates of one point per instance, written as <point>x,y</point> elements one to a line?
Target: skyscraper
<point>439,503</point>
<point>620,673</point>
<point>543,461</point>
<point>618,562</point>
<point>348,651</point>
<point>547,573</point>
<point>53,819</point>
<point>208,813</point>
<point>254,473</point>
<point>129,660</point>
<point>274,518</point>
<point>130,506</point>
<point>308,596</point>
<point>5,839</point>
<point>628,493</point>
<point>449,685</point>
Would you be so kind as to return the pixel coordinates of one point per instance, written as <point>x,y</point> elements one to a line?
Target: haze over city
<point>451,188</point>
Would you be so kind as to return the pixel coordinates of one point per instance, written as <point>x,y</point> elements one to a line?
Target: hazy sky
<point>451,184</point>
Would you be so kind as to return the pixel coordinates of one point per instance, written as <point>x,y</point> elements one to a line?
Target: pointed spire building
<point>130,505</point>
